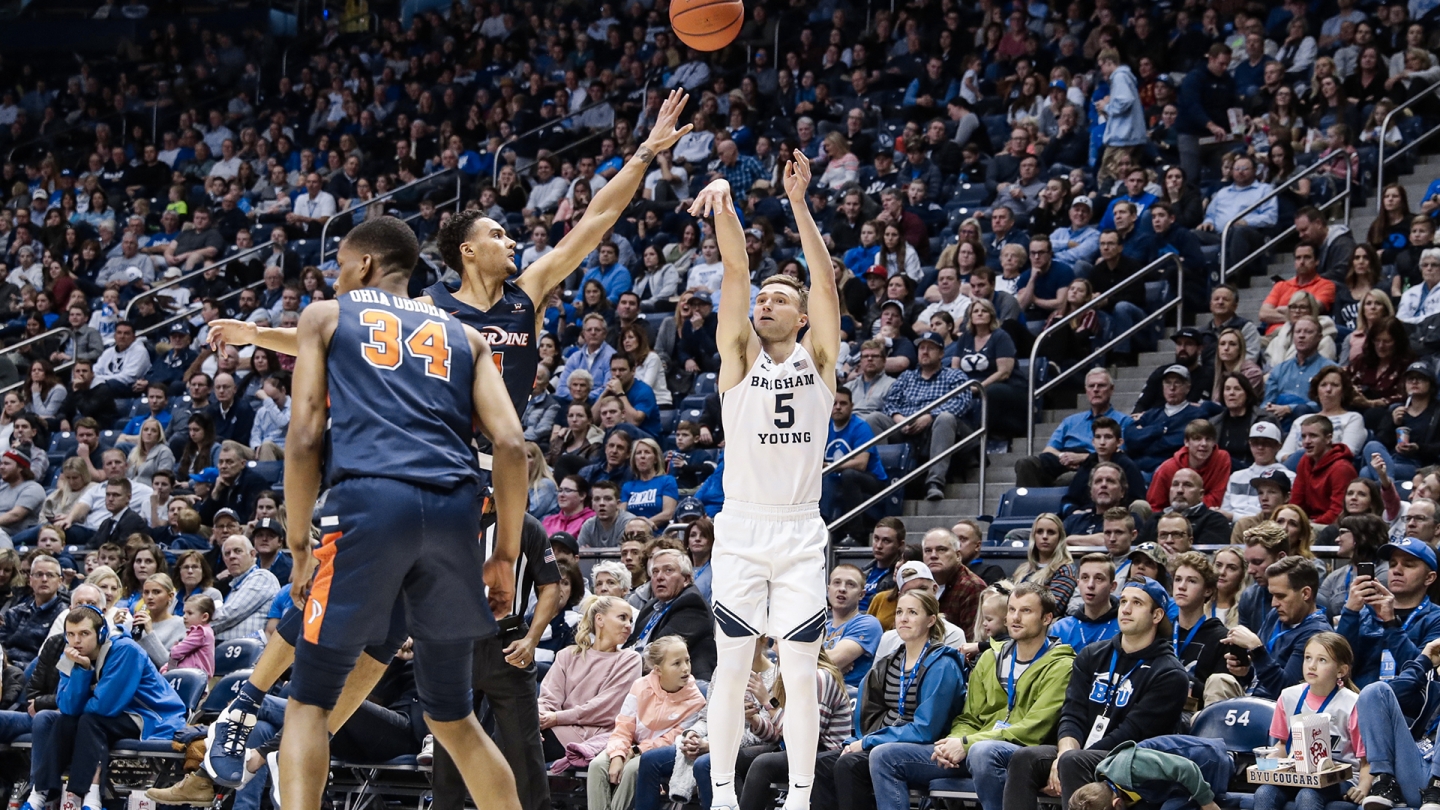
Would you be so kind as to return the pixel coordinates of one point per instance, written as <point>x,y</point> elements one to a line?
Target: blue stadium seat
<point>896,458</point>
<point>1018,508</point>
<point>108,438</point>
<point>63,442</point>
<point>1242,724</point>
<point>272,471</point>
<point>707,383</point>
<point>223,691</point>
<point>236,654</point>
<point>189,684</point>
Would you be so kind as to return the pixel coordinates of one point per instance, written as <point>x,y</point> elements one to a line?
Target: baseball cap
<point>1059,85</point>
<point>1152,551</point>
<point>174,272</point>
<point>877,270</point>
<point>270,525</point>
<point>911,571</point>
<point>1153,589</point>
<point>66,173</point>
<point>689,508</point>
<point>930,337</point>
<point>219,513</point>
<point>133,274</point>
<point>1276,477</point>
<point>1265,430</point>
<point>1422,368</point>
<point>1189,332</point>
<point>893,303</point>
<point>755,232</point>
<point>39,194</point>
<point>702,297</point>
<point>1083,200</point>
<point>1415,548</point>
<point>210,475</point>
<point>567,540</point>
<point>1178,370</point>
<point>179,327</point>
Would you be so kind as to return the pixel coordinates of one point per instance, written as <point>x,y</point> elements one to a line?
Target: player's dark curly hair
<point>390,241</point>
<point>453,233</point>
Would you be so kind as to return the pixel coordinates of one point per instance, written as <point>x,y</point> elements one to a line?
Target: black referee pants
<point>513,705</point>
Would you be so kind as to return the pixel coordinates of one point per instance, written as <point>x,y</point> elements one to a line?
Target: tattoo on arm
<point>645,154</point>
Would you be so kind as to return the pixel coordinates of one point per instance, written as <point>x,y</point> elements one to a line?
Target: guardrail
<point>176,282</point>
<point>900,482</point>
<point>1275,192</point>
<point>1381,159</point>
<point>459,178</point>
<point>40,338</point>
<point>1177,304</point>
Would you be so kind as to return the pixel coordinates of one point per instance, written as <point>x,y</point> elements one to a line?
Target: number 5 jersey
<point>777,420</point>
<point>406,366</point>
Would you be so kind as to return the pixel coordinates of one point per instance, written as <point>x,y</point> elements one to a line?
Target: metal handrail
<point>981,433</point>
<point>880,437</point>
<point>495,165</point>
<point>325,229</point>
<point>1275,192</point>
<point>1177,304</point>
<point>175,282</point>
<point>25,379</point>
<point>43,336</point>
<point>1381,159</point>
<point>190,312</point>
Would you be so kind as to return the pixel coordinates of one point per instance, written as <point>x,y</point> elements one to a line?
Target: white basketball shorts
<point>769,571</point>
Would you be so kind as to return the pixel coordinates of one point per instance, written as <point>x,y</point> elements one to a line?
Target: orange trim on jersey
<point>320,588</point>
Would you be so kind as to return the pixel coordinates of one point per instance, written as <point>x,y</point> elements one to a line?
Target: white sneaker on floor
<point>427,751</point>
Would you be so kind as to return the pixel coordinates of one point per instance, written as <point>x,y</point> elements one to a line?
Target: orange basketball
<point>707,25</point>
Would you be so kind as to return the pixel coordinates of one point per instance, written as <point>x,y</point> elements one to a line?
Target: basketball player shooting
<point>769,557</point>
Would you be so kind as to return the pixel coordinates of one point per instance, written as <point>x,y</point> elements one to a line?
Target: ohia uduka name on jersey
<point>372,296</point>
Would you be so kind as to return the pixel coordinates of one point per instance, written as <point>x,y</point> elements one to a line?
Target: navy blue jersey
<point>509,328</point>
<point>401,377</point>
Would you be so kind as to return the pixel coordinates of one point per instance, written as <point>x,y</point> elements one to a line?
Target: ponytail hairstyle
<point>585,630</point>
<point>656,650</point>
<point>1338,648</point>
<point>999,592</point>
<point>931,606</point>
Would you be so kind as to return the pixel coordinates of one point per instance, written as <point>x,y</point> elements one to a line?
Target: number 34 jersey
<point>401,377</point>
<point>777,420</point>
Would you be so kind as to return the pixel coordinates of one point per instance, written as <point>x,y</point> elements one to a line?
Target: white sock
<point>799,668</point>
<point>727,713</point>
<point>92,797</point>
<point>37,799</point>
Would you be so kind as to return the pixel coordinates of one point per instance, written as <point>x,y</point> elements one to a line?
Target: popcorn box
<point>1286,776</point>
<point>1310,743</point>
<point>139,801</point>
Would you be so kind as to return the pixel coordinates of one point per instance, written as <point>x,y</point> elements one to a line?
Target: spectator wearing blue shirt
<point>1074,440</point>
<point>1097,618</point>
<point>593,355</point>
<point>1135,193</point>
<point>157,398</point>
<point>858,478</point>
<point>649,493</point>
<point>1081,241</point>
<point>1390,624</point>
<point>615,277</point>
<point>636,396</point>
<point>1048,280</point>
<point>1289,383</point>
<point>851,637</point>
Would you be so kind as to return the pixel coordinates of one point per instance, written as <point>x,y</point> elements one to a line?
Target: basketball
<point>707,25</point>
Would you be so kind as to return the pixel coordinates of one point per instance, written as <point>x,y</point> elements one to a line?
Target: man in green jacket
<point>1014,698</point>
<point>1175,770</point>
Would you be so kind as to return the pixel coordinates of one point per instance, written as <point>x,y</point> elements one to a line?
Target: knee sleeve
<point>443,676</point>
<point>320,674</point>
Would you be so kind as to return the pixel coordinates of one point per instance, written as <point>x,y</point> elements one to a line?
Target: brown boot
<point>195,789</point>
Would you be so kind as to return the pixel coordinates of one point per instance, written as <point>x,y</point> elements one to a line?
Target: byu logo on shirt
<point>1100,690</point>
<point>1122,697</point>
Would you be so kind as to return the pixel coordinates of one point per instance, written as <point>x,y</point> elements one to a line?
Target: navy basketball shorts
<point>389,546</point>
<point>293,621</point>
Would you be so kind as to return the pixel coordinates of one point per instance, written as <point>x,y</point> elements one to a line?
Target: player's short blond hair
<point>786,281</point>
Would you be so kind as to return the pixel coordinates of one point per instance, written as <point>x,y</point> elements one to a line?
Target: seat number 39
<point>428,344</point>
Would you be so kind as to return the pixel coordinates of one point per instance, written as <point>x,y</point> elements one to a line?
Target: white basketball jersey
<point>777,420</point>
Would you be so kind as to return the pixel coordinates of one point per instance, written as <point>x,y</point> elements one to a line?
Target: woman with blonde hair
<point>842,166</point>
<point>157,628</point>
<point>1048,561</point>
<point>1370,308</point>
<point>73,483</point>
<point>1231,355</point>
<point>1299,531</point>
<point>1280,343</point>
<point>543,493</point>
<point>150,454</point>
<point>581,694</point>
<point>1234,578</point>
<point>650,492</point>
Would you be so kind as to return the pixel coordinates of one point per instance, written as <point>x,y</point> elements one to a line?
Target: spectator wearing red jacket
<point>1200,454</point>
<point>1325,471</point>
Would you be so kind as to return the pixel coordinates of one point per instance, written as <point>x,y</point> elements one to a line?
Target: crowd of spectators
<point>981,173</point>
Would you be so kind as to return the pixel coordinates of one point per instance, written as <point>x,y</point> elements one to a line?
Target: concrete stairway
<point>962,499</point>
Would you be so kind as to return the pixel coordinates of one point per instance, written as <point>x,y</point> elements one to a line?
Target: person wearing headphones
<point>109,691</point>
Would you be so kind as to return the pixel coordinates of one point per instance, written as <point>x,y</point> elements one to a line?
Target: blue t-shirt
<point>642,396</point>
<point>856,433</point>
<point>616,280</point>
<point>646,498</point>
<point>281,603</point>
<point>865,630</point>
